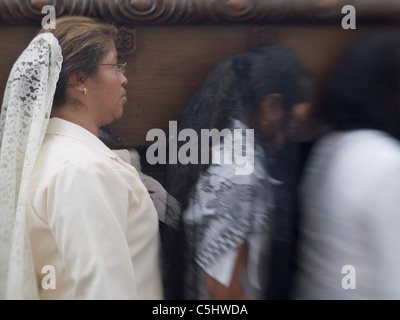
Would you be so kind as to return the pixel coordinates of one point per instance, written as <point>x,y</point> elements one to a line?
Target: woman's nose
<point>124,80</point>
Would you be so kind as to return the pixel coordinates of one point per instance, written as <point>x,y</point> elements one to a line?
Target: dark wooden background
<point>179,42</point>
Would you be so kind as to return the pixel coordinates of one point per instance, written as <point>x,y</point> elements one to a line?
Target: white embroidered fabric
<point>25,113</point>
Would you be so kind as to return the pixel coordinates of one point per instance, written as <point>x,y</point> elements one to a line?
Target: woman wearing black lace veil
<point>235,235</point>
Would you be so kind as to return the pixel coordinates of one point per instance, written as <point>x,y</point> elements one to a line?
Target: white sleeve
<point>383,234</point>
<point>157,192</point>
<point>130,156</point>
<point>222,269</point>
<point>88,205</point>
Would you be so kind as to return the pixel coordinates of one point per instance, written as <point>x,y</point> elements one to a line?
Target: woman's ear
<point>76,81</point>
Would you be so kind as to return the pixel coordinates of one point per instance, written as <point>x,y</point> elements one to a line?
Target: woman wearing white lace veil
<point>67,201</point>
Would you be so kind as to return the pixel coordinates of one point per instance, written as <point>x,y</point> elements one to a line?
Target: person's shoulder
<point>366,142</point>
<point>356,155</point>
<point>372,144</point>
<point>64,148</point>
<point>239,156</point>
<point>59,154</point>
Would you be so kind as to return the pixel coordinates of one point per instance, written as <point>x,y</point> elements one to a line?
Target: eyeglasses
<point>119,67</point>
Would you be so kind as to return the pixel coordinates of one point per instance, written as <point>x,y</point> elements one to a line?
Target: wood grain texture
<point>171,63</point>
<point>202,11</point>
<point>168,66</point>
<point>179,42</point>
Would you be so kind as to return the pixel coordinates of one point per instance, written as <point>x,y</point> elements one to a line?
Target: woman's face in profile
<point>106,89</point>
<point>271,117</point>
<point>298,119</point>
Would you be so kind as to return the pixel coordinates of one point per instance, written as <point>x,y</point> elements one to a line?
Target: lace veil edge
<point>25,112</point>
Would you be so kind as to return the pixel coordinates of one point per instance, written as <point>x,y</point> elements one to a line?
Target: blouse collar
<point>58,126</point>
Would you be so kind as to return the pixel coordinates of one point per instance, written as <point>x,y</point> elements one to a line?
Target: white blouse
<point>350,224</point>
<point>91,218</point>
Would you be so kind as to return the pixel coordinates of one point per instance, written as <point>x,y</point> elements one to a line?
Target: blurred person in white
<point>350,195</point>
<point>67,200</point>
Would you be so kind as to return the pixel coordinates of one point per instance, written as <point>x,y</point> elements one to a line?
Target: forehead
<point>112,55</point>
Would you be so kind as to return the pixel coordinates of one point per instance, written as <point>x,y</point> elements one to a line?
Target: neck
<point>78,116</point>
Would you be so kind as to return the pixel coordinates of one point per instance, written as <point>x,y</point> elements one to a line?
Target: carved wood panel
<point>177,43</point>
<point>203,11</point>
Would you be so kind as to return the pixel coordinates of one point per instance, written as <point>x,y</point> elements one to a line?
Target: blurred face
<point>275,128</point>
<point>298,120</point>
<point>279,126</point>
<point>272,120</point>
<point>106,94</point>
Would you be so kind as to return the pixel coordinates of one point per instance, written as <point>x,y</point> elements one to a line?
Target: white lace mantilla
<point>25,113</point>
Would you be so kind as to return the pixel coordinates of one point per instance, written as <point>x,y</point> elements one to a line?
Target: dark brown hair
<point>84,43</point>
<point>363,92</point>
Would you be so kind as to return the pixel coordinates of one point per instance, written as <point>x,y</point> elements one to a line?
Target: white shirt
<point>92,219</point>
<point>350,231</point>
